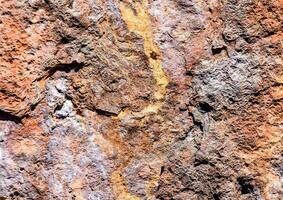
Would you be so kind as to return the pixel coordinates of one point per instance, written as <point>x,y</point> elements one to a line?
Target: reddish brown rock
<point>144,99</point>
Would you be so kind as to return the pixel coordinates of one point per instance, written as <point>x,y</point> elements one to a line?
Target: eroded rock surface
<point>144,99</point>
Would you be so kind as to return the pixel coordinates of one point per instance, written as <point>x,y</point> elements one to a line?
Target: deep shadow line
<point>5,116</point>
<point>63,68</point>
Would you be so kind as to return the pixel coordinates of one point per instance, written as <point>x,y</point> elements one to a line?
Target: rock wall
<point>141,99</point>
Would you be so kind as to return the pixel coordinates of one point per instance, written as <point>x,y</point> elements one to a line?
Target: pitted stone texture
<point>143,99</point>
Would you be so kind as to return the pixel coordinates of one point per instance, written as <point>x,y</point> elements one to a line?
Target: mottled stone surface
<point>141,99</point>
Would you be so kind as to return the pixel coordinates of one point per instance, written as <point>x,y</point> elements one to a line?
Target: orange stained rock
<point>28,147</point>
<point>267,140</point>
<point>277,92</point>
<point>77,186</point>
<point>278,78</point>
<point>29,144</point>
<point>14,43</point>
<point>24,49</point>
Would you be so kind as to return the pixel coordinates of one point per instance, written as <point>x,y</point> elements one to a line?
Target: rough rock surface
<point>141,99</point>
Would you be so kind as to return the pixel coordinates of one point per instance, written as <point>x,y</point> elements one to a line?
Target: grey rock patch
<point>66,110</point>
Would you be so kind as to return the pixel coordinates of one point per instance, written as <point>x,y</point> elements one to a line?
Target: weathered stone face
<point>143,99</point>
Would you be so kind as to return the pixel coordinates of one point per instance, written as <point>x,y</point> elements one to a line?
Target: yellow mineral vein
<point>120,187</point>
<point>138,21</point>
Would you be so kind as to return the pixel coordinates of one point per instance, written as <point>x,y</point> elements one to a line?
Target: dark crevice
<point>16,194</point>
<point>199,124</point>
<point>74,22</point>
<point>5,116</point>
<point>9,13</point>
<point>66,40</point>
<point>104,112</point>
<point>58,107</point>
<point>205,107</point>
<point>8,93</point>
<point>68,97</point>
<point>162,170</point>
<point>74,66</point>
<point>70,4</point>
<point>217,50</point>
<point>154,55</point>
<point>216,196</point>
<point>246,186</point>
<point>198,162</point>
<point>190,73</point>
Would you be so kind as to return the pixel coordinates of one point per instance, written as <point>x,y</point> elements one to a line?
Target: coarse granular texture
<point>141,100</point>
